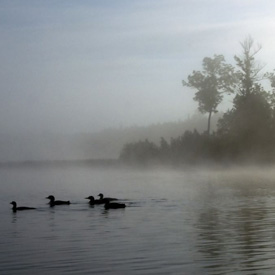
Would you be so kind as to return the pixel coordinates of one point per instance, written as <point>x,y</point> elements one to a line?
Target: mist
<point>74,74</point>
<point>104,144</point>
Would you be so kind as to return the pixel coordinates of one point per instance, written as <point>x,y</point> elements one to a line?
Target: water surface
<point>176,221</point>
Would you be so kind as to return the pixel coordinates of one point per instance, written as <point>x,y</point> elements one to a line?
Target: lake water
<point>176,221</point>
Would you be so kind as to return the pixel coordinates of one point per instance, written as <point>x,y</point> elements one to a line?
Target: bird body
<point>93,201</point>
<point>20,208</point>
<point>114,205</point>
<point>54,202</point>
<point>101,197</point>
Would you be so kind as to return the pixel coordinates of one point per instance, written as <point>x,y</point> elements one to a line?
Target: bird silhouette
<point>54,202</point>
<point>20,208</point>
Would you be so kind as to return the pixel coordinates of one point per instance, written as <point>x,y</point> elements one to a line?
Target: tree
<point>139,152</point>
<point>248,124</point>
<point>216,78</point>
<point>249,69</point>
<point>271,96</point>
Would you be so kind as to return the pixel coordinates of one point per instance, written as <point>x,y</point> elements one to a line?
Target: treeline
<point>244,133</point>
<point>195,148</point>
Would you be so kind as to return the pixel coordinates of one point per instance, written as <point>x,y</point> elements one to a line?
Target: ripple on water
<point>173,224</point>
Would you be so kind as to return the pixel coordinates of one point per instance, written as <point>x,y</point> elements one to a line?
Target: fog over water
<point>83,66</point>
<point>178,221</point>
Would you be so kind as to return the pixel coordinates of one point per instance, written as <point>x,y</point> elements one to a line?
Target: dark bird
<point>93,201</point>
<point>101,197</point>
<point>53,202</point>
<point>20,208</point>
<point>113,205</point>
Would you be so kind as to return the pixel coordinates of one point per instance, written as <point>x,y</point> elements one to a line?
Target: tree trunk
<point>209,121</point>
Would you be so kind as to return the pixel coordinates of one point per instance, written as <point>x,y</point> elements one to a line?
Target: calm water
<point>176,222</point>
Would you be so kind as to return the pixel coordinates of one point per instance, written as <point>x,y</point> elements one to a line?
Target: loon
<point>53,202</point>
<point>20,208</point>
<point>113,205</point>
<point>101,197</point>
<point>93,201</point>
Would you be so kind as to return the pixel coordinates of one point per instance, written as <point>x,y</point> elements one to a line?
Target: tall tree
<point>216,78</point>
<point>249,69</point>
<point>271,96</point>
<point>249,121</point>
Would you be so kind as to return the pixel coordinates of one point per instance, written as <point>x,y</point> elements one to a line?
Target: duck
<point>101,197</point>
<point>93,201</point>
<point>53,202</point>
<point>113,205</point>
<point>20,208</point>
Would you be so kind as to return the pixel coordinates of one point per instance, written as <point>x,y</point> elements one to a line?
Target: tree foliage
<point>141,152</point>
<point>250,119</point>
<point>216,78</point>
<point>246,132</point>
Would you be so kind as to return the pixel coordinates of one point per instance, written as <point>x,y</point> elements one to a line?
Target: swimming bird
<point>53,202</point>
<point>101,197</point>
<point>20,208</point>
<point>93,201</point>
<point>113,205</point>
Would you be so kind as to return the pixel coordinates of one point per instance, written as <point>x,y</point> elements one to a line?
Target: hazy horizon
<point>104,144</point>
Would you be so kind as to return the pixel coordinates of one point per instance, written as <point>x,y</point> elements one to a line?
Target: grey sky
<point>81,66</point>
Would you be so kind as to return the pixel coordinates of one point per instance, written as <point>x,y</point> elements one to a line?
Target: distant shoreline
<point>47,163</point>
<point>117,163</point>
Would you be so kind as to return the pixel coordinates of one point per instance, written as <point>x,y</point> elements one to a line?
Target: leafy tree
<point>249,121</point>
<point>139,152</point>
<point>216,78</point>
<point>245,131</point>
<point>249,69</point>
<point>271,96</point>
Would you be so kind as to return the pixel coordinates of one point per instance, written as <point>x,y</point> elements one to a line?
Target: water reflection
<point>236,233</point>
<point>173,224</point>
<point>13,217</point>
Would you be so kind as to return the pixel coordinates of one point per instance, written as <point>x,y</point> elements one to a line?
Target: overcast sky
<point>82,66</point>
